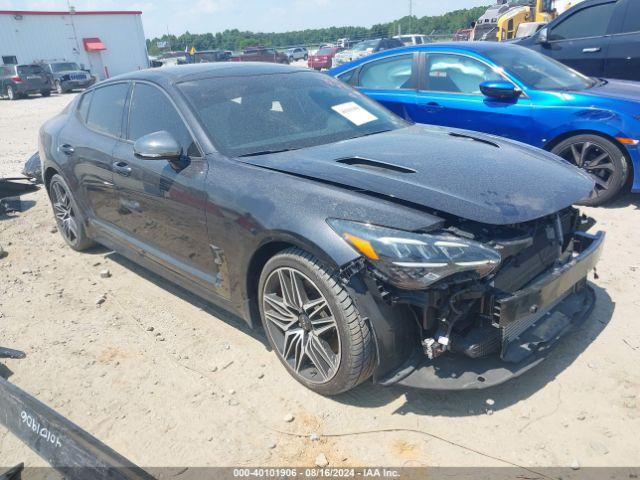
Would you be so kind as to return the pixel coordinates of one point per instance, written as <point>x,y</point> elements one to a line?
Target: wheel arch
<point>48,174</point>
<point>275,243</point>
<point>563,136</point>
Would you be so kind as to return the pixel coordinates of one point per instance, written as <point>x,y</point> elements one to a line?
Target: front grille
<point>77,76</point>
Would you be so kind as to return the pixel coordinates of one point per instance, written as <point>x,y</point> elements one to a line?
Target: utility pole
<point>410,16</point>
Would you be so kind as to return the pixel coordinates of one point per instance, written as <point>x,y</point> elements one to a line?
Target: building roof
<point>96,12</point>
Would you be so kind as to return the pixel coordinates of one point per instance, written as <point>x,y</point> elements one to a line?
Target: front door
<point>161,203</point>
<point>450,96</point>
<point>581,40</point>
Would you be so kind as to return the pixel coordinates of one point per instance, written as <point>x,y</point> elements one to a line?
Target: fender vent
<point>374,165</point>
<point>475,139</point>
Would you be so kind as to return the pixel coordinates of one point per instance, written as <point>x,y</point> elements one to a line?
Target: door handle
<point>591,50</point>
<point>432,107</point>
<point>122,168</point>
<point>66,149</point>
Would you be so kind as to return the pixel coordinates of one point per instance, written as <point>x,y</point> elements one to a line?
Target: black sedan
<point>365,246</point>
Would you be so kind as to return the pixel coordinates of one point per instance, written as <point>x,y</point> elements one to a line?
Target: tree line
<point>236,40</point>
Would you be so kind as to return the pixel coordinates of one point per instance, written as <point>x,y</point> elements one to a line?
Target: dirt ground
<point>168,380</point>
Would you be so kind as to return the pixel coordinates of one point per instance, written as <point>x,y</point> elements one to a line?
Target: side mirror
<point>543,36</point>
<point>158,146</point>
<point>500,90</point>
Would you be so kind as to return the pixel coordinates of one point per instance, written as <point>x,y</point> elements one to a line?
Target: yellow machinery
<point>500,22</point>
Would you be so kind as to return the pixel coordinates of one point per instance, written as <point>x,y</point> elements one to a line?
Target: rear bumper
<point>562,301</point>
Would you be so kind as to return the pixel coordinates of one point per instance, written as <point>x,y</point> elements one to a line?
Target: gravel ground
<point>168,380</point>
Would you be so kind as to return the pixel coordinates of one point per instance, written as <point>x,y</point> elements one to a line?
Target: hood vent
<point>475,139</point>
<point>374,165</point>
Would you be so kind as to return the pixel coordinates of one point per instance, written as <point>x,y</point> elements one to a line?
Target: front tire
<point>67,213</point>
<point>313,325</point>
<point>45,93</point>
<point>59,89</point>
<point>601,159</point>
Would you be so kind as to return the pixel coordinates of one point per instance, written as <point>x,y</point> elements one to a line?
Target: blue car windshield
<point>538,71</point>
<point>260,114</point>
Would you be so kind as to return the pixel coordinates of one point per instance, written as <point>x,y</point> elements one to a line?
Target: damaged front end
<point>472,305</point>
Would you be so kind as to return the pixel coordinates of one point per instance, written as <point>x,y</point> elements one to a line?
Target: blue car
<point>513,92</point>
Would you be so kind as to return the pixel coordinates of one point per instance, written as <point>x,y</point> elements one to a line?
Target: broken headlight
<point>415,261</point>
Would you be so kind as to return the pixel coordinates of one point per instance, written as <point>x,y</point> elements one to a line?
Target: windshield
<point>64,67</point>
<point>256,114</point>
<point>325,51</point>
<point>362,46</point>
<point>539,71</point>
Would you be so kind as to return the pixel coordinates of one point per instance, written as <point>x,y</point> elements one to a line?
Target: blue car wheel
<point>603,160</point>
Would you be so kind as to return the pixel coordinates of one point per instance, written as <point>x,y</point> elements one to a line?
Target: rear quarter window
<point>83,105</point>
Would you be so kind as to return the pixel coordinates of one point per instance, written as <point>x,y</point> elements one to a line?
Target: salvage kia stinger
<point>366,247</point>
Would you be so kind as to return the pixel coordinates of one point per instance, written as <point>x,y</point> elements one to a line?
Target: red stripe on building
<point>103,12</point>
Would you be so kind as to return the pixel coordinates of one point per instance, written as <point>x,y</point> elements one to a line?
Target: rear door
<point>88,141</point>
<point>581,40</point>
<point>623,57</point>
<point>161,203</point>
<point>390,80</point>
<point>33,77</point>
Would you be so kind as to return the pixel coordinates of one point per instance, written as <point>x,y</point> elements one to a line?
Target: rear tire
<point>68,218</point>
<point>11,93</point>
<point>603,160</point>
<point>321,323</point>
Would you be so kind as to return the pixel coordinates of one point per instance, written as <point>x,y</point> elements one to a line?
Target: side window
<point>632,19</point>
<point>348,77</point>
<point>151,111</point>
<point>418,40</point>
<point>107,108</point>
<point>388,73</point>
<point>457,74</point>
<point>83,106</point>
<point>588,22</point>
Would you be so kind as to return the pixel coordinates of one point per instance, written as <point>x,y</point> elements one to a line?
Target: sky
<point>202,16</point>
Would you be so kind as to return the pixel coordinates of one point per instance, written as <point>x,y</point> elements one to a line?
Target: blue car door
<point>391,80</point>
<point>450,95</point>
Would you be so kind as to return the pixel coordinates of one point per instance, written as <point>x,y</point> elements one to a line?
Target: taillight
<point>16,79</point>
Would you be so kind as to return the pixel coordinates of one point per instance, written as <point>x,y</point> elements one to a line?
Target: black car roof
<point>181,73</point>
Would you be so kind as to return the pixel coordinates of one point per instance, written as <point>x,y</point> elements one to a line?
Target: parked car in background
<point>432,258</point>
<point>600,38</point>
<point>365,48</point>
<point>261,54</point>
<point>208,56</point>
<point>297,53</point>
<point>514,92</point>
<point>68,76</point>
<point>18,81</point>
<point>412,39</point>
<point>323,58</point>
<point>528,29</point>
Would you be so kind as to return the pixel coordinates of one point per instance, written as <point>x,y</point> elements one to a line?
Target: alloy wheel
<point>593,159</point>
<point>59,88</point>
<point>301,325</point>
<point>64,212</point>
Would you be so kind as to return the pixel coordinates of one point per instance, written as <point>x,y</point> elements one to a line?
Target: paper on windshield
<point>354,113</point>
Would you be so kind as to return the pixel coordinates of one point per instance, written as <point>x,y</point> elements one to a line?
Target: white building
<point>107,43</point>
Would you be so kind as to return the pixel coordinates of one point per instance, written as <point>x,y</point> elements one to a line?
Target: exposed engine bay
<point>519,309</point>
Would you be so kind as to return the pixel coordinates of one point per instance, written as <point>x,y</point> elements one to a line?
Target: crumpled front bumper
<point>551,306</point>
